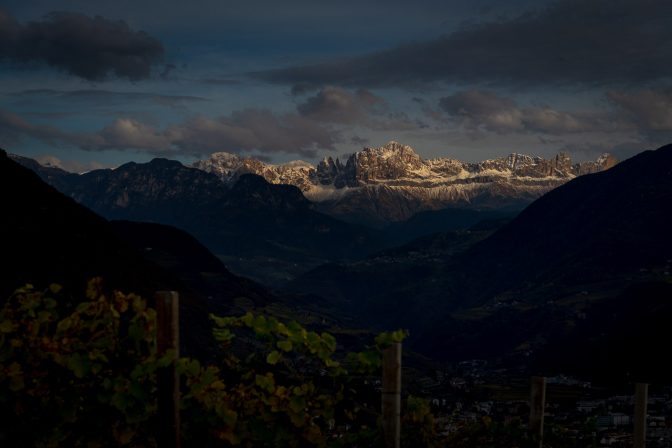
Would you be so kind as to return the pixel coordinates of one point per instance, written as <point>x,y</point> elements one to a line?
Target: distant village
<point>587,414</point>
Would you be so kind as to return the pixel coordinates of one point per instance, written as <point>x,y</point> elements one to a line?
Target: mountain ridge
<point>586,248</point>
<point>255,227</point>
<point>391,183</point>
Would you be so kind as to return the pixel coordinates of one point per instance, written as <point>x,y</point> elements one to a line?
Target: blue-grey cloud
<point>14,128</point>
<point>594,42</point>
<point>220,81</point>
<point>92,48</point>
<point>488,111</point>
<point>108,97</point>
<point>649,109</point>
<point>355,108</point>
<point>249,130</point>
<point>253,130</point>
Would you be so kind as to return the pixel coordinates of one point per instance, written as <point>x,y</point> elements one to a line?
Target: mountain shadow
<point>50,238</point>
<point>267,232</point>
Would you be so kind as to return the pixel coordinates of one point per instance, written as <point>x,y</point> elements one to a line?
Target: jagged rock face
<point>392,161</point>
<point>229,167</point>
<point>330,172</point>
<point>391,183</point>
<point>142,191</point>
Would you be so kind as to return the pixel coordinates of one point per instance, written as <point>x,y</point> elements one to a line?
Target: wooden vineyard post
<point>391,399</point>
<point>537,407</point>
<point>641,404</point>
<point>168,382</point>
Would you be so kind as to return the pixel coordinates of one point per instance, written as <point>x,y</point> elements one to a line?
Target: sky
<point>91,83</point>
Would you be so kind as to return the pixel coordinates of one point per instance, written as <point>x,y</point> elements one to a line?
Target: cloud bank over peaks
<point>488,111</point>
<point>651,109</point>
<point>360,107</point>
<point>248,130</point>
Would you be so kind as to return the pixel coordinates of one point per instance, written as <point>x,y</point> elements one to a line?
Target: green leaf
<point>266,382</point>
<point>223,334</point>
<point>120,401</point>
<point>386,338</point>
<point>368,358</point>
<point>191,366</point>
<point>83,307</point>
<point>297,403</point>
<point>79,365</point>
<point>260,325</point>
<point>222,321</point>
<point>332,363</point>
<point>44,316</point>
<point>229,417</point>
<point>7,326</point>
<point>273,357</point>
<point>247,319</point>
<point>330,341</point>
<point>285,345</point>
<point>313,341</point>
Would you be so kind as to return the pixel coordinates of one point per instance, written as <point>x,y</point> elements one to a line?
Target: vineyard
<point>85,374</point>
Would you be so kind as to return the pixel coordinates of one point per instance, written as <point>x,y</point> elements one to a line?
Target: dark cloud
<point>221,81</point>
<point>484,110</point>
<point>651,109</point>
<point>337,105</point>
<point>628,120</point>
<point>359,141</point>
<point>476,103</point>
<point>92,48</point>
<point>125,133</point>
<point>572,42</point>
<point>250,130</point>
<point>107,97</point>
<point>303,89</point>
<point>359,108</point>
<point>253,130</point>
<point>14,128</point>
<point>167,70</point>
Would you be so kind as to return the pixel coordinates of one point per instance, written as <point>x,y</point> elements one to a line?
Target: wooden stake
<point>641,404</point>
<point>168,381</point>
<point>391,399</point>
<point>537,407</point>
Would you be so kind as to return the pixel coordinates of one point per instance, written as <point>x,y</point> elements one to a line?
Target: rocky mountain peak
<point>392,149</point>
<point>393,182</point>
<point>254,192</point>
<point>390,161</point>
<point>163,163</point>
<point>607,161</point>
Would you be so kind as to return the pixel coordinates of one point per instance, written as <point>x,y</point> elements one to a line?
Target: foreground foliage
<point>84,374</point>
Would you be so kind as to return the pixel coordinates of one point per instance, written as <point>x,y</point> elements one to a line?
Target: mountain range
<point>586,265</point>
<point>266,231</point>
<point>263,222</point>
<point>377,186</point>
<point>579,280</point>
<point>50,238</point>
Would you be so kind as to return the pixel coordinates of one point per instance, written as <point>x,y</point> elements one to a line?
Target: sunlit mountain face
<point>485,183</point>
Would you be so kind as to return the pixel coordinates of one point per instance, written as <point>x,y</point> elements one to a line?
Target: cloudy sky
<point>89,83</point>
